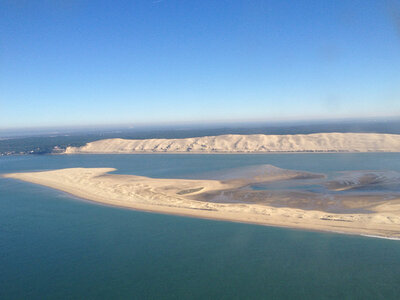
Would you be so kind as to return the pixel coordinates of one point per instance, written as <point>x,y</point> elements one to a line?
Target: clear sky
<point>83,62</point>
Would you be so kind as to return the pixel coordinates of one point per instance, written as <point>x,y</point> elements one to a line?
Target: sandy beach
<point>255,143</point>
<point>216,199</point>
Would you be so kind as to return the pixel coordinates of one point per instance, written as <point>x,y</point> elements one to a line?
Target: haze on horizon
<point>69,63</point>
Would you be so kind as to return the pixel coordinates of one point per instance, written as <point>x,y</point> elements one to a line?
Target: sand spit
<point>187,197</point>
<point>256,143</point>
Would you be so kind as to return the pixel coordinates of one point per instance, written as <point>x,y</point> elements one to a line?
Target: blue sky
<point>75,62</point>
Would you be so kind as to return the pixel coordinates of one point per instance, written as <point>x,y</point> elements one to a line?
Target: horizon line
<point>199,124</point>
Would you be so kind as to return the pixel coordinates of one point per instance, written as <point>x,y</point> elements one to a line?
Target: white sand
<point>256,143</point>
<point>178,196</point>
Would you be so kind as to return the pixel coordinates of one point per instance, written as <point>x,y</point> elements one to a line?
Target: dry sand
<point>186,197</point>
<point>256,143</point>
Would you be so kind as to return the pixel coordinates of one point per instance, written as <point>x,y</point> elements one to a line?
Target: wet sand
<point>231,198</point>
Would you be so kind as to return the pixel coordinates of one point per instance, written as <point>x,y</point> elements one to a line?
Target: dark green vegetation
<point>46,144</point>
<point>40,145</point>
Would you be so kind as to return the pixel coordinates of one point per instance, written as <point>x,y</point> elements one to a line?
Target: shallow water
<point>55,246</point>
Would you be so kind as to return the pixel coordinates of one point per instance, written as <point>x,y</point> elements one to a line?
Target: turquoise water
<point>55,246</point>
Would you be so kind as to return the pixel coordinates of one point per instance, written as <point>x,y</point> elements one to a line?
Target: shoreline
<point>202,153</point>
<point>94,202</point>
<point>220,153</point>
<point>221,220</point>
<point>201,217</point>
<point>372,225</point>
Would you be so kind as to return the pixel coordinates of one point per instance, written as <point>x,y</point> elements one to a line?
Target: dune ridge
<point>255,143</point>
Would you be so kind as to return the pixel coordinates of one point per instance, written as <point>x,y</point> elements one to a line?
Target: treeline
<point>39,145</point>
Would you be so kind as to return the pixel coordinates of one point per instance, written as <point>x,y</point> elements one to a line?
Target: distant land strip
<point>254,143</point>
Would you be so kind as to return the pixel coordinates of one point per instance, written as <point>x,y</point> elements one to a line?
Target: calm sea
<point>55,246</point>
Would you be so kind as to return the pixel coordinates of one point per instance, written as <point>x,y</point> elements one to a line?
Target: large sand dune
<point>256,143</point>
<point>231,199</point>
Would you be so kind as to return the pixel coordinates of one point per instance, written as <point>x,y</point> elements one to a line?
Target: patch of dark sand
<point>190,191</point>
<point>300,199</point>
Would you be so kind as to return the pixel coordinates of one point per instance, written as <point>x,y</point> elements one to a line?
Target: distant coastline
<point>42,141</point>
<point>241,144</point>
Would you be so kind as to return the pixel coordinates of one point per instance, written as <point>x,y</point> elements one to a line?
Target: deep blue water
<point>54,246</point>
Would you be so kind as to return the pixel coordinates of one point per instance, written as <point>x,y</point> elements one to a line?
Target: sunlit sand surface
<point>359,202</point>
<point>252,143</point>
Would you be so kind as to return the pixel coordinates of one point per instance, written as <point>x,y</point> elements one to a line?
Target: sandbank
<point>196,198</point>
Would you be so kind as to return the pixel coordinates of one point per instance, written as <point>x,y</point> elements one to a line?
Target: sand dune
<point>256,143</point>
<point>189,198</point>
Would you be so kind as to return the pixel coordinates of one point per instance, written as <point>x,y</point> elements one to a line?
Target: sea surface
<point>56,246</point>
